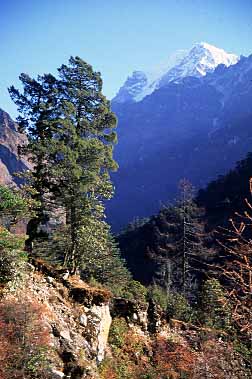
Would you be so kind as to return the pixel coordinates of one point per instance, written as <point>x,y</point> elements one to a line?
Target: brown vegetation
<point>237,272</point>
<point>24,340</point>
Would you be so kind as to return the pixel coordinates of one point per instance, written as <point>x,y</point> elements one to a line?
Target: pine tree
<point>70,130</point>
<point>214,310</point>
<point>87,143</point>
<point>180,244</point>
<point>37,107</point>
<point>192,231</point>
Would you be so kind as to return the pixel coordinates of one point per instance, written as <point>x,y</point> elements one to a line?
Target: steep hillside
<point>90,335</point>
<point>148,245</point>
<point>10,139</point>
<point>154,251</point>
<point>226,195</point>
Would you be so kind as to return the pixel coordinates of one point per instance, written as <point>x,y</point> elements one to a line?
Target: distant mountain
<point>10,139</point>
<point>195,127</point>
<point>200,60</point>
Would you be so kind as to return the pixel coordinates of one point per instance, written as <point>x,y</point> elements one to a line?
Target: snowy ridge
<point>200,60</point>
<point>154,76</point>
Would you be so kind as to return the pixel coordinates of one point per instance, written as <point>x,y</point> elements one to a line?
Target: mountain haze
<point>200,60</point>
<point>196,127</point>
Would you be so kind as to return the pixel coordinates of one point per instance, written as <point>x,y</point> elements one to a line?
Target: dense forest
<point>191,263</point>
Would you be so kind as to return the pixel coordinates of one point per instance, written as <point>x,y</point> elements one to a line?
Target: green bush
<point>244,349</point>
<point>159,295</point>
<point>214,310</point>
<point>128,289</point>
<point>175,304</point>
<point>134,291</point>
<point>12,257</point>
<point>179,308</point>
<point>117,333</point>
<point>13,206</point>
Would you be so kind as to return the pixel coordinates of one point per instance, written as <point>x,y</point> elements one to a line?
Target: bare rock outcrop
<point>79,319</point>
<point>10,140</point>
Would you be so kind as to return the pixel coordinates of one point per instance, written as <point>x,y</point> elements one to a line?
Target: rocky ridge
<point>10,139</point>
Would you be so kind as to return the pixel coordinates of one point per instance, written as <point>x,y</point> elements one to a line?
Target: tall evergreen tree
<point>37,107</point>
<point>190,243</point>
<point>70,130</point>
<point>180,244</point>
<point>85,149</point>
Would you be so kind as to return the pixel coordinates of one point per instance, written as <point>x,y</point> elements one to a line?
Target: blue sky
<point>116,37</point>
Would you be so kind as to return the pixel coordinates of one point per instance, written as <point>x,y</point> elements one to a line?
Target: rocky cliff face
<point>10,139</point>
<point>78,318</point>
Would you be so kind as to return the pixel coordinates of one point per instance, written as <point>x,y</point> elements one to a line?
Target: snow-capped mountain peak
<point>197,62</point>
<point>204,58</point>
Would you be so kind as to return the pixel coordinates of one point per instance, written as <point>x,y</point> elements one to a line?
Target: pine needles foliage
<point>71,136</point>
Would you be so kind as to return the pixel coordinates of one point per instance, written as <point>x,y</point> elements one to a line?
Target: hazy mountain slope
<point>195,128</point>
<point>200,60</point>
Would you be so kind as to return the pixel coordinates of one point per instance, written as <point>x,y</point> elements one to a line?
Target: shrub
<point>117,333</point>
<point>134,291</point>
<point>214,309</point>
<point>12,257</point>
<point>128,348</point>
<point>159,295</point>
<point>218,359</point>
<point>178,307</point>
<point>136,357</point>
<point>24,340</point>
<point>243,348</point>
<point>171,360</point>
<point>15,205</point>
<point>174,303</point>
